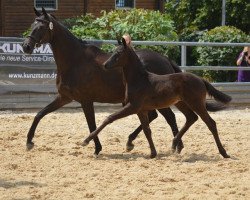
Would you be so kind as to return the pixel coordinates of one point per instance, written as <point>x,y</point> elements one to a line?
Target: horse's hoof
<point>29,145</point>
<point>129,147</point>
<point>173,150</point>
<point>153,155</point>
<point>174,145</point>
<point>96,155</point>
<point>85,143</point>
<point>179,149</point>
<point>226,155</point>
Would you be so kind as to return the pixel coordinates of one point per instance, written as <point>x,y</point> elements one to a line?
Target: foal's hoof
<point>97,152</point>
<point>129,147</point>
<point>29,145</point>
<point>174,145</point>
<point>179,148</point>
<point>225,155</point>
<point>96,155</point>
<point>153,155</point>
<point>85,143</point>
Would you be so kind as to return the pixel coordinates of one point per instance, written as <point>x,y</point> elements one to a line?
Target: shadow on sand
<point>13,184</point>
<point>192,158</point>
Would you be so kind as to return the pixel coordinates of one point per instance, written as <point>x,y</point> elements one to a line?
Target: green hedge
<point>139,23</point>
<point>220,56</point>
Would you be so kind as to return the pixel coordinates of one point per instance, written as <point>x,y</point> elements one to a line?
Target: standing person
<point>244,60</point>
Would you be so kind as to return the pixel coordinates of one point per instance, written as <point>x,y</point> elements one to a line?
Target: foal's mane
<point>137,60</point>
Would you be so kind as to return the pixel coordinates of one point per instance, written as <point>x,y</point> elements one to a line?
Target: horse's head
<point>41,31</point>
<point>119,57</point>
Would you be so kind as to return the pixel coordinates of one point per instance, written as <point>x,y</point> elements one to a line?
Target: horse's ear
<point>45,13</point>
<point>38,14</point>
<point>53,16</point>
<point>124,42</point>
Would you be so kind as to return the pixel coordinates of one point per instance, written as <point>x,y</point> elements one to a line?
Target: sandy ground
<point>60,168</point>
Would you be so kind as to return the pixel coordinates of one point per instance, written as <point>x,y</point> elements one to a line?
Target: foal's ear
<point>119,42</point>
<point>124,42</point>
<point>45,13</point>
<point>38,14</point>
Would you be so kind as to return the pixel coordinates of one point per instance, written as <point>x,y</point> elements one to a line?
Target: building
<point>17,15</point>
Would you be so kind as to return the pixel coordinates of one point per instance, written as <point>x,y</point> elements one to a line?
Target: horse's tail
<point>176,68</point>
<point>218,96</point>
<point>213,107</point>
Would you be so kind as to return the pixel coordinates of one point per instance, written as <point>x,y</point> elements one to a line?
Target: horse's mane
<point>139,64</point>
<point>83,41</point>
<point>93,48</point>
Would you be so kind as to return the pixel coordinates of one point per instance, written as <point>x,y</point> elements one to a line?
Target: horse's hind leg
<point>130,146</point>
<point>88,109</point>
<point>211,124</point>
<point>171,120</point>
<point>191,117</point>
<point>54,105</point>
<point>143,116</point>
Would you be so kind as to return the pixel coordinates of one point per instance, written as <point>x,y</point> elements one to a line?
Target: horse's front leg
<point>130,146</point>
<point>124,112</point>
<point>143,116</point>
<point>88,109</point>
<point>54,105</point>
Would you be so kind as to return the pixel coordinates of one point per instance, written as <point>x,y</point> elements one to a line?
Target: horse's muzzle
<point>28,46</point>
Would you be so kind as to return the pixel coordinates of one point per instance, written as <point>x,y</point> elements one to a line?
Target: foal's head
<point>120,57</point>
<point>41,31</point>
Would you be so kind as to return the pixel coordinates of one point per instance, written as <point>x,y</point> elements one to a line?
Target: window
<point>47,4</point>
<point>125,3</point>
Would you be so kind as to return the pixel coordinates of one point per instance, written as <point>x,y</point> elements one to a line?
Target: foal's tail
<point>218,96</point>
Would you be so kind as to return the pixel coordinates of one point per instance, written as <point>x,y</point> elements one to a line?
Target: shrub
<point>220,56</point>
<point>191,34</point>
<point>139,23</point>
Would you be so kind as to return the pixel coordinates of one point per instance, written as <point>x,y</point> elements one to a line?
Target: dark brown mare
<point>80,75</point>
<point>146,91</point>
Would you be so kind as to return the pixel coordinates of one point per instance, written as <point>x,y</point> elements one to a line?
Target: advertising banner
<point>16,67</point>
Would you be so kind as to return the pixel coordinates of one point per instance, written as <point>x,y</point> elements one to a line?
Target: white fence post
<point>183,56</point>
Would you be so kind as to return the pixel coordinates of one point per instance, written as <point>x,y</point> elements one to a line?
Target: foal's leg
<point>169,117</point>
<point>88,109</point>
<point>211,124</point>
<point>191,117</point>
<point>127,110</point>
<point>171,120</point>
<point>54,105</point>
<point>130,146</point>
<point>143,116</point>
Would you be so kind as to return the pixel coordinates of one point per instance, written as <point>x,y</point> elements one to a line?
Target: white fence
<point>37,93</point>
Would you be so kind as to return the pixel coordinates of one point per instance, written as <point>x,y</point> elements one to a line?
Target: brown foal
<point>146,91</point>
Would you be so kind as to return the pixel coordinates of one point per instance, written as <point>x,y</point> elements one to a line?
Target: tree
<point>204,14</point>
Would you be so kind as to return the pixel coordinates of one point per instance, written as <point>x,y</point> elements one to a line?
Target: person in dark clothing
<point>244,60</point>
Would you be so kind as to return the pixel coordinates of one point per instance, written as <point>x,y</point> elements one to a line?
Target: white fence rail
<point>37,95</point>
